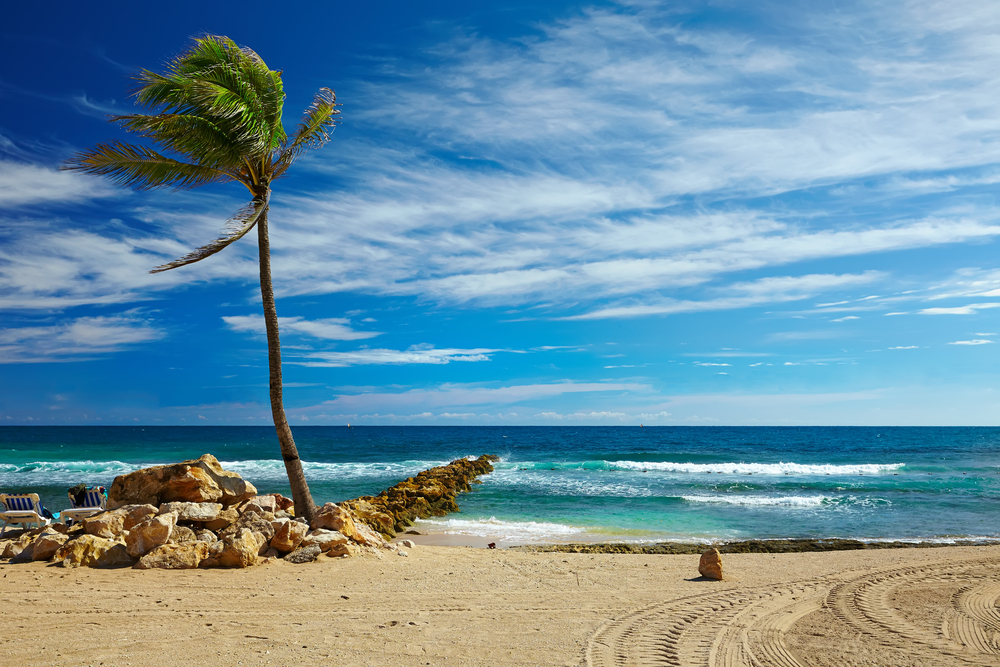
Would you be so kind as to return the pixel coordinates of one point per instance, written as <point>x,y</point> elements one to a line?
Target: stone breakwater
<point>430,493</point>
<point>194,514</point>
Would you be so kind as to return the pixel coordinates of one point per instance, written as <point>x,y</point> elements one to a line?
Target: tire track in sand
<point>863,604</point>
<point>748,627</point>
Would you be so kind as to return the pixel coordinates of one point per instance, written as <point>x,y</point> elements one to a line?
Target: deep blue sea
<point>585,483</point>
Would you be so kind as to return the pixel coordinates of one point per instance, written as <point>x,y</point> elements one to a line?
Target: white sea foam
<point>762,501</point>
<point>798,469</point>
<point>505,530</point>
<point>58,473</point>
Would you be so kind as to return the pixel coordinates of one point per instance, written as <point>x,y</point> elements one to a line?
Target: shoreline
<point>747,545</point>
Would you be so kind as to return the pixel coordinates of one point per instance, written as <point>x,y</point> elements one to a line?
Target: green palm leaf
<point>236,228</point>
<point>142,168</point>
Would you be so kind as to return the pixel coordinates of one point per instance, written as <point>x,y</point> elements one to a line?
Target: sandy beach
<point>466,606</point>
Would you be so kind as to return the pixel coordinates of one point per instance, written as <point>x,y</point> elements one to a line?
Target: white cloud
<point>329,328</point>
<point>905,347</point>
<point>978,341</point>
<point>75,339</point>
<point>846,319</point>
<point>31,184</point>
<point>970,309</point>
<point>414,355</point>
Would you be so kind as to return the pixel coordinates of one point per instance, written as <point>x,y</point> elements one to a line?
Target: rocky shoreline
<point>195,514</point>
<point>740,546</point>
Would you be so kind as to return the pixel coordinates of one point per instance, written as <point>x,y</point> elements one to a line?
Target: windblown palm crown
<point>217,108</point>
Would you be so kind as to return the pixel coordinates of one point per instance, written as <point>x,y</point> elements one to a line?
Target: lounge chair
<point>94,502</point>
<point>21,508</point>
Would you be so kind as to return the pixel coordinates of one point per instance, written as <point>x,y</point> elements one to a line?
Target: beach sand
<point>464,606</point>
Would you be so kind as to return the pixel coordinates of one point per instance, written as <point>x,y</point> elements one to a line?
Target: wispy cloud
<point>418,354</point>
<point>334,328</point>
<point>72,340</point>
<point>978,341</point>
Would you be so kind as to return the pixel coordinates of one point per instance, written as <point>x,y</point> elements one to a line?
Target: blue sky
<point>685,213</point>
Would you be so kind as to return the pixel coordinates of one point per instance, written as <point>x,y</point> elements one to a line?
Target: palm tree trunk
<point>304,505</point>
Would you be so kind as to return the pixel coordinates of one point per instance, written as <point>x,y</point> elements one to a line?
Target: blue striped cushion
<point>20,504</point>
<point>94,498</point>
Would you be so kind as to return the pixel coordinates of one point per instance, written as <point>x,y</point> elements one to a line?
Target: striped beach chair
<point>21,508</point>
<point>94,502</point>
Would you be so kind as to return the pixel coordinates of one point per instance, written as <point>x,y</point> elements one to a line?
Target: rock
<point>197,481</point>
<point>45,546</point>
<point>209,562</point>
<point>304,554</point>
<point>205,535</point>
<point>283,514</point>
<point>253,521</point>
<point>338,550</point>
<point>408,544</point>
<point>365,535</point>
<point>374,516</point>
<point>12,549</point>
<point>710,565</point>
<point>334,517</point>
<point>240,550</point>
<point>92,551</point>
<point>226,518</point>
<point>262,543</point>
<point>150,533</point>
<point>272,553</point>
<point>114,557</point>
<point>324,539</point>
<point>193,511</point>
<point>137,514</point>
<point>174,556</point>
<point>105,524</point>
<point>265,503</point>
<point>289,535</point>
<point>181,534</point>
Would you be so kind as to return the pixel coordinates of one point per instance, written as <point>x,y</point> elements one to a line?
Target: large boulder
<point>256,522</point>
<point>240,550</point>
<point>93,551</point>
<point>289,535</point>
<point>710,565</point>
<point>136,514</point>
<point>324,539</point>
<point>365,535</point>
<point>46,545</point>
<point>181,534</point>
<point>105,524</point>
<point>185,556</point>
<point>150,533</point>
<point>334,517</point>
<point>304,554</point>
<point>196,481</point>
<point>193,511</point>
<point>226,518</point>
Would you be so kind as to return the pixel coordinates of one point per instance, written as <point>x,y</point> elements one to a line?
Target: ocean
<point>571,484</point>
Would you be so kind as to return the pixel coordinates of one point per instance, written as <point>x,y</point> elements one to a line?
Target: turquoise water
<point>585,483</point>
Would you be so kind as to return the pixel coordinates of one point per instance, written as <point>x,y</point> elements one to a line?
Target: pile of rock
<point>195,514</point>
<point>430,493</point>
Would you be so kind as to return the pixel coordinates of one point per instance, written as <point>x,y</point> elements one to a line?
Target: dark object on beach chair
<point>92,501</point>
<point>491,545</point>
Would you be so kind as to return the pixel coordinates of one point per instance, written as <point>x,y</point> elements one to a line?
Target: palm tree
<point>217,107</point>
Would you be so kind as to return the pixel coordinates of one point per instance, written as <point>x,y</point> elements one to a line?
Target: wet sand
<point>466,606</point>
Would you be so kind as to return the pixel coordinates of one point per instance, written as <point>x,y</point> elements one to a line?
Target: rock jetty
<point>195,514</point>
<point>430,493</point>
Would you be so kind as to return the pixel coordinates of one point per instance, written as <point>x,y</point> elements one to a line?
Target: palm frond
<point>193,136</point>
<point>142,168</point>
<point>318,121</point>
<point>236,228</point>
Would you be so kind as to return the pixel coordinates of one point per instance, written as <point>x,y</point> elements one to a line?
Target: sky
<point>686,213</point>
